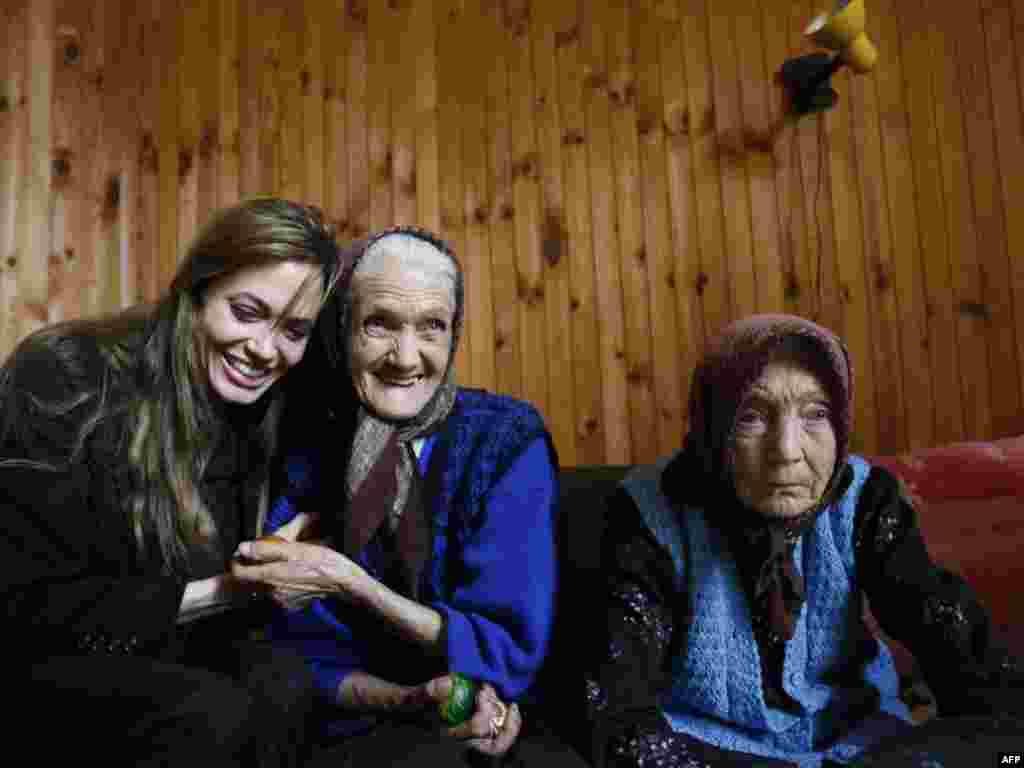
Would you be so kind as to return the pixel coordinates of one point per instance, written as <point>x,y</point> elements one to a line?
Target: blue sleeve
<point>328,645</point>
<point>499,616</point>
<point>299,483</point>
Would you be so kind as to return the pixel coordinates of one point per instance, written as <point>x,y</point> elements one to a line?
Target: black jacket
<point>73,578</point>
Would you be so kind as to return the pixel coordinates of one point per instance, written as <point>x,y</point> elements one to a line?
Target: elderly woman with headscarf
<point>440,575</point>
<point>738,568</point>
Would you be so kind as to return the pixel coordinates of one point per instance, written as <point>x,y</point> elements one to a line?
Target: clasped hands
<point>293,572</point>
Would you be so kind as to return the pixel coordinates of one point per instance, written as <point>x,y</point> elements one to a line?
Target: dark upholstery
<point>582,507</point>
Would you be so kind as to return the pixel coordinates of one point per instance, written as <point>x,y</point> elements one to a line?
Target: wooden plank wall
<point>615,175</point>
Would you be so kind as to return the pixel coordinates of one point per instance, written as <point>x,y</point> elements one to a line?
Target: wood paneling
<point>971,335</point>
<point>72,99</point>
<point>618,179</point>
<point>545,22</point>
<point>577,246</point>
<point>358,217</point>
<point>906,227</point>
<point>12,135</point>
<point>918,60</point>
<point>712,280</point>
<point>473,208</point>
<point>664,375</point>
<point>1007,119</point>
<point>965,25</point>
<point>35,231</point>
<point>526,203</point>
<point>452,191</point>
<point>684,244</point>
<point>604,220</point>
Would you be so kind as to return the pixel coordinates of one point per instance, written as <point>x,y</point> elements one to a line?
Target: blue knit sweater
<point>717,691</point>
<point>491,574</point>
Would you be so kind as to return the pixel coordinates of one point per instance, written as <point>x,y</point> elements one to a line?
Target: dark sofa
<point>582,514</point>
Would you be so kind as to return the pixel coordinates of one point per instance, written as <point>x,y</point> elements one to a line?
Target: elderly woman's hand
<point>293,573</point>
<point>494,726</point>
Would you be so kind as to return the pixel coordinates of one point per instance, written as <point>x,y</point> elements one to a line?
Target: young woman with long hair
<point>134,457</point>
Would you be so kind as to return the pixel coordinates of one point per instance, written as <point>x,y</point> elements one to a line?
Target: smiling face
<point>403,306</point>
<point>253,325</point>
<point>784,444</point>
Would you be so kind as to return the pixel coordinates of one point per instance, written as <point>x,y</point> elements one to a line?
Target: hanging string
<point>818,299</point>
<point>822,148</point>
<point>787,227</point>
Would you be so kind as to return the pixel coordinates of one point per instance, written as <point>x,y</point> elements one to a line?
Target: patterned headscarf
<point>382,479</point>
<point>724,377</point>
<point>721,384</point>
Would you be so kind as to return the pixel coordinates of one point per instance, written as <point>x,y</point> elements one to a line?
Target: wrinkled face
<point>784,445</point>
<point>403,304</point>
<point>253,325</point>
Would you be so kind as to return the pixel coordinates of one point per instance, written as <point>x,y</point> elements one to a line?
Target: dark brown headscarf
<point>382,481</point>
<point>763,547</point>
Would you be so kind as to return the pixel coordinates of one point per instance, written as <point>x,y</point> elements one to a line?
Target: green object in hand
<point>461,701</point>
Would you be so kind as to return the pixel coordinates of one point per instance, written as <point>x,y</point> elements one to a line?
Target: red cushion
<point>970,500</point>
<point>980,539</point>
<point>962,470</point>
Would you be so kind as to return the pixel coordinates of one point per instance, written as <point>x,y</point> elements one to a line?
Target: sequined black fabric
<point>615,649</point>
<point>947,620</point>
<point>642,613</point>
<point>99,641</point>
<point>597,698</point>
<point>890,524</point>
<point>653,745</point>
<point>655,750</point>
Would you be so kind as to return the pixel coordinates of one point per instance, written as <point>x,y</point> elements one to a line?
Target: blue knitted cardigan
<point>716,691</point>
<point>498,621</point>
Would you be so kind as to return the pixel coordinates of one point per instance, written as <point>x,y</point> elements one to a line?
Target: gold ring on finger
<point>498,721</point>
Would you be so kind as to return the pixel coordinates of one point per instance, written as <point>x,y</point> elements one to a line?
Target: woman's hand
<point>293,573</point>
<point>494,727</point>
<point>492,730</point>
<point>209,596</point>
<point>299,528</point>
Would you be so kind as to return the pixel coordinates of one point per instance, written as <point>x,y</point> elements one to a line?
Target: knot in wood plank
<point>702,282</point>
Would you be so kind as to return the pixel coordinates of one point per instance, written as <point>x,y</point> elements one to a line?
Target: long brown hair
<point>151,387</point>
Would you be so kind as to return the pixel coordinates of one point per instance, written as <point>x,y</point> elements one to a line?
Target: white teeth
<point>402,382</point>
<point>244,368</point>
